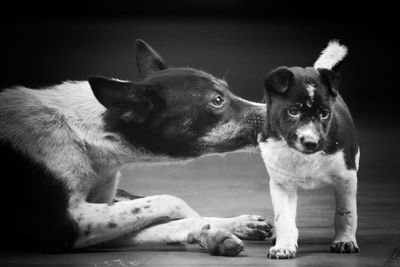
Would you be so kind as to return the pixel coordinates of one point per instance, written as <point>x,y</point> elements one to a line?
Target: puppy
<point>62,148</point>
<point>310,142</point>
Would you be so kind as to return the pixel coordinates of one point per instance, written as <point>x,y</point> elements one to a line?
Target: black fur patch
<point>88,230</point>
<point>135,210</point>
<point>344,212</point>
<point>112,225</point>
<point>35,205</point>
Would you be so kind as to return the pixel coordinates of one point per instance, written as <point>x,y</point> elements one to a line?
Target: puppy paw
<point>221,243</point>
<point>249,227</point>
<point>282,252</point>
<point>344,247</point>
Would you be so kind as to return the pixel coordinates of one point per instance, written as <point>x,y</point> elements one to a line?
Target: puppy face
<point>300,103</point>
<point>179,112</point>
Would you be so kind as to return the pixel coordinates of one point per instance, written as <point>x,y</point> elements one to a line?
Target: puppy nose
<point>309,144</point>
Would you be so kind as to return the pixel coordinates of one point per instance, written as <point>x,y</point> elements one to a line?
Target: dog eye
<point>324,114</point>
<point>218,101</point>
<point>294,111</point>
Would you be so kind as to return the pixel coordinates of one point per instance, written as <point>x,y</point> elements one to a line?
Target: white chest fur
<point>287,165</point>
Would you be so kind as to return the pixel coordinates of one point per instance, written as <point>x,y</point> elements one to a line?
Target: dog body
<point>62,148</point>
<point>310,142</point>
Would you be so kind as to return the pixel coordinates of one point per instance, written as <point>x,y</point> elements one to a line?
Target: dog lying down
<point>310,141</point>
<point>62,148</point>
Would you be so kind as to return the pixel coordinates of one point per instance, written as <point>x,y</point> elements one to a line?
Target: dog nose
<point>310,145</point>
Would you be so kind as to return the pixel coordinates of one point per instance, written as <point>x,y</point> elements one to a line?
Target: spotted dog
<point>310,142</point>
<point>62,148</point>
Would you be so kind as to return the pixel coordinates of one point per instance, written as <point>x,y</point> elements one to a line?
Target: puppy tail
<point>331,55</point>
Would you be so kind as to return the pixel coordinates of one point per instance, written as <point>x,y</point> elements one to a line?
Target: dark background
<point>43,44</point>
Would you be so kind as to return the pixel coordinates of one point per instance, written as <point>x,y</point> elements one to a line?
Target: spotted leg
<point>217,241</point>
<point>98,223</point>
<point>345,188</point>
<point>248,227</point>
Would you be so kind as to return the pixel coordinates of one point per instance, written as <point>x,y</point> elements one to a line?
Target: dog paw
<point>344,247</point>
<point>220,243</point>
<point>249,227</point>
<point>286,252</point>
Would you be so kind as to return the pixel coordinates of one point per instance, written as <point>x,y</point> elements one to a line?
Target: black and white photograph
<point>199,133</point>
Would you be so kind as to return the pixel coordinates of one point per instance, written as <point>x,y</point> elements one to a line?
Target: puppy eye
<point>218,101</point>
<point>324,114</point>
<point>294,112</point>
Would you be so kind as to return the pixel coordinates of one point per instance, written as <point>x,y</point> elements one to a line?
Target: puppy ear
<point>332,79</point>
<point>278,80</point>
<point>147,60</point>
<point>131,101</point>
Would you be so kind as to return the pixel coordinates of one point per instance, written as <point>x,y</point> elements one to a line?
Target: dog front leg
<point>249,227</point>
<point>345,189</point>
<point>284,201</point>
<point>185,231</point>
<point>98,223</point>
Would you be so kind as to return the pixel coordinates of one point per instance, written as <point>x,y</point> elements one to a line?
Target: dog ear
<point>129,100</point>
<point>332,79</point>
<point>148,61</point>
<point>278,80</point>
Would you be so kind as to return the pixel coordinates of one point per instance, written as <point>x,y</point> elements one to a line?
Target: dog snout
<point>309,138</point>
<point>256,121</point>
<point>309,144</point>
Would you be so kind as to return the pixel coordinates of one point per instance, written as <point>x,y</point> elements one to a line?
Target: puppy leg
<point>284,201</point>
<point>186,231</point>
<point>99,223</point>
<point>346,214</point>
<point>249,227</point>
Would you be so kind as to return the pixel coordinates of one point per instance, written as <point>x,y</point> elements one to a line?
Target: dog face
<point>300,104</point>
<point>177,111</point>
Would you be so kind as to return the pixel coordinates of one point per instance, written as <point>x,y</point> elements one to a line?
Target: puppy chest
<point>287,165</point>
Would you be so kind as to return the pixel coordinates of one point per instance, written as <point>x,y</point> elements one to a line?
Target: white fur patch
<point>308,171</point>
<point>222,132</point>
<point>331,55</point>
<point>311,91</point>
<point>358,159</point>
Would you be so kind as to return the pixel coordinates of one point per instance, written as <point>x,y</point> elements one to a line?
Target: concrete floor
<point>236,184</point>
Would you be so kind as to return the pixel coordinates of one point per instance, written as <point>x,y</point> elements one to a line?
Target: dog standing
<point>62,147</point>
<point>310,142</point>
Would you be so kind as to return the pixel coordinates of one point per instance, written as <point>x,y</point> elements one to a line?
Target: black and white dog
<point>310,142</point>
<point>62,147</point>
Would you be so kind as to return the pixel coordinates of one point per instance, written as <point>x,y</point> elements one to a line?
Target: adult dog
<point>62,147</point>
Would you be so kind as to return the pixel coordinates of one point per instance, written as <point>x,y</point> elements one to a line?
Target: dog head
<point>178,112</point>
<point>300,103</point>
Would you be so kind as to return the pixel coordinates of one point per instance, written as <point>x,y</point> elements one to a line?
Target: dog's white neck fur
<point>308,171</point>
<point>331,55</point>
